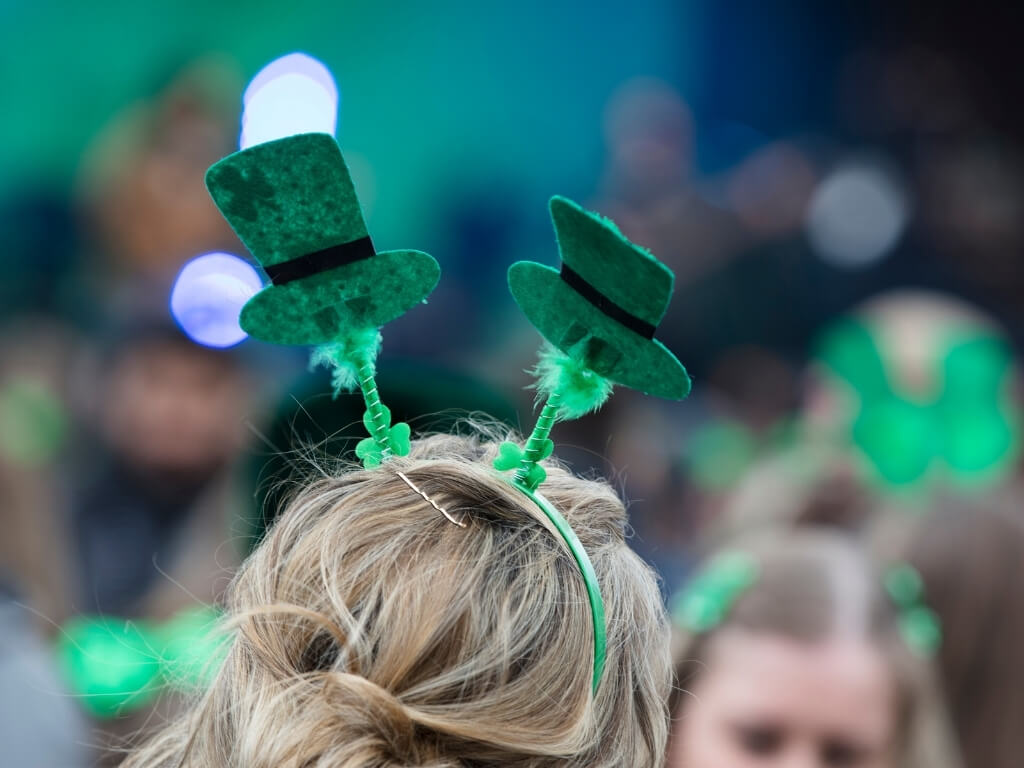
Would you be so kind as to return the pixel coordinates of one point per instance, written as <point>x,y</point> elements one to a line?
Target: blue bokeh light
<point>209,293</point>
<point>293,94</point>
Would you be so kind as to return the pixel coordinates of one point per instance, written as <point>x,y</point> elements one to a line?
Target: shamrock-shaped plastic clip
<point>511,456</point>
<point>397,442</point>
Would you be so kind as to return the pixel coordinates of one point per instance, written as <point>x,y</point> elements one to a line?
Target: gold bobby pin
<point>430,501</point>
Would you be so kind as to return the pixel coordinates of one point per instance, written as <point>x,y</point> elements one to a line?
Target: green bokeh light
<point>33,421</point>
<point>968,435</point>
<point>114,666</point>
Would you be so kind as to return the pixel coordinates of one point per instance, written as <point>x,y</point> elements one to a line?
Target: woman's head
<point>372,631</point>
<point>804,666</point>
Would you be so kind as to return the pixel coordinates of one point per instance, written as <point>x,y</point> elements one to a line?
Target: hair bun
<point>371,713</point>
<point>335,719</point>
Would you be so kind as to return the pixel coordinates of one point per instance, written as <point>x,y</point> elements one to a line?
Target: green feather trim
<point>581,390</point>
<point>345,355</point>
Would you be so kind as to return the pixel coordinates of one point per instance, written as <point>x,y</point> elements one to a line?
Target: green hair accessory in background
<point>114,666</point>
<point>706,601</point>
<point>969,427</point>
<point>919,625</point>
<point>33,421</point>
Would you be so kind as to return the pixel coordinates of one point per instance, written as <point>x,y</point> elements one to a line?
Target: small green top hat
<point>605,304</point>
<point>293,205</point>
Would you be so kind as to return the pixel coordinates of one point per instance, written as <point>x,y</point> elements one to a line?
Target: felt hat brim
<point>553,307</point>
<point>368,294</point>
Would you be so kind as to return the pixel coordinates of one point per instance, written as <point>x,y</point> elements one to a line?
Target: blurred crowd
<point>833,511</point>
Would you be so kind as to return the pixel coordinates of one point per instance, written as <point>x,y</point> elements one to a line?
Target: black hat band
<point>606,305</point>
<point>320,261</point>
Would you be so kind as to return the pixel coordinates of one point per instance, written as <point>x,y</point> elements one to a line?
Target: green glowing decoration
<point>719,453</point>
<point>114,666</point>
<point>969,428</point>
<point>192,650</point>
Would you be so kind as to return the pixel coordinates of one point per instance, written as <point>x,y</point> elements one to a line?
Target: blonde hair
<point>371,631</point>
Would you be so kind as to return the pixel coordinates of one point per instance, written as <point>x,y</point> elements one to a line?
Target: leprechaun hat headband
<point>599,315</point>
<point>293,205</point>
<point>604,305</point>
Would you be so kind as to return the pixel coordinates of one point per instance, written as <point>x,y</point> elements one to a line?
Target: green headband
<point>579,554</point>
<point>292,203</point>
<point>529,474</point>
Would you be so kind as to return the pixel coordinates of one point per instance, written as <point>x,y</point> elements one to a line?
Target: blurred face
<point>173,409</point>
<point>764,701</point>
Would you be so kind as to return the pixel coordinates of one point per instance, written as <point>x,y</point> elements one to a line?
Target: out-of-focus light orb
<point>293,94</point>
<point>292,64</point>
<point>209,293</point>
<point>856,216</point>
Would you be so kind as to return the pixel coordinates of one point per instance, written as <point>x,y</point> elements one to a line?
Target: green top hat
<point>293,205</point>
<point>605,304</point>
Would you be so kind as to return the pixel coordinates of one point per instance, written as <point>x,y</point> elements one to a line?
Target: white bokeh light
<point>857,214</point>
<point>209,293</point>
<point>292,64</point>
<point>293,94</point>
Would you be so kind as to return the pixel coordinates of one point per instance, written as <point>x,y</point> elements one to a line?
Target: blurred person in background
<point>37,356</point>
<point>157,416</point>
<point>118,497</point>
<point>153,484</point>
<point>155,512</point>
<point>647,185</point>
<point>911,395</point>
<point>40,724</point>
<point>140,184</point>
<point>728,234</point>
<point>133,519</point>
<point>969,556</point>
<point>161,418</point>
<point>789,653</point>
